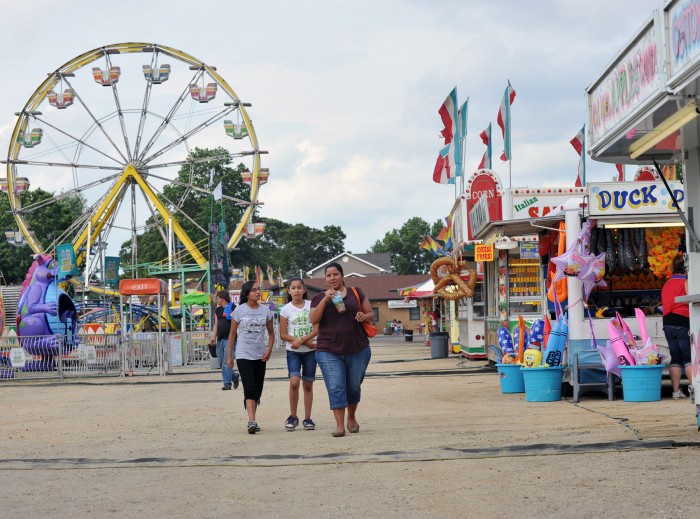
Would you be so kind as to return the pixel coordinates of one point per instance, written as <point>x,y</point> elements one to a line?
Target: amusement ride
<point>115,125</point>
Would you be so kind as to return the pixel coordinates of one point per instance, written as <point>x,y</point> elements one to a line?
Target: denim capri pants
<point>343,375</point>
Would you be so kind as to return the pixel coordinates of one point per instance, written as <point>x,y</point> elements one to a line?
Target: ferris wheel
<point>117,124</point>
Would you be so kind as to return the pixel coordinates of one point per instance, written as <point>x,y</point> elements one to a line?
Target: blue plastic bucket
<point>543,384</point>
<point>641,383</point>
<point>511,378</point>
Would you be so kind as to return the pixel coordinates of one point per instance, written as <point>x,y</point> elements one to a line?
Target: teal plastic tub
<point>641,383</point>
<point>543,384</point>
<point>511,378</point>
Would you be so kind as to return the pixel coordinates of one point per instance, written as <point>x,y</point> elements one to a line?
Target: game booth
<point>643,110</point>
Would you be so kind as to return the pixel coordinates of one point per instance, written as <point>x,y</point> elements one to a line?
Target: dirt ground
<point>438,439</point>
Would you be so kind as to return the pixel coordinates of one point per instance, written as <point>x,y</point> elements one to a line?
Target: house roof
<point>381,261</point>
<point>377,288</point>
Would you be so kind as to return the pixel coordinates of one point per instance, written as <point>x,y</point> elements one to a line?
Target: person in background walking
<point>220,333</point>
<point>248,325</point>
<point>676,322</point>
<point>342,346</point>
<point>299,336</point>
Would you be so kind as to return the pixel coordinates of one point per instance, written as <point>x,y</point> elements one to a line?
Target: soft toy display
<point>448,283</point>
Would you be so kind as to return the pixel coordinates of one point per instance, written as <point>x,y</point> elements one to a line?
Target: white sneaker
<point>691,393</point>
<point>678,394</point>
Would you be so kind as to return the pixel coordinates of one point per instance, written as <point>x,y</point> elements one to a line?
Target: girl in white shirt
<point>299,336</point>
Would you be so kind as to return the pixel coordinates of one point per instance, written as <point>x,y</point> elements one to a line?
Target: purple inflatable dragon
<point>44,311</point>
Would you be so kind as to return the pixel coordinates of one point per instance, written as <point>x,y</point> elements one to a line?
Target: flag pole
<point>583,155</point>
<point>510,143</point>
<point>510,173</point>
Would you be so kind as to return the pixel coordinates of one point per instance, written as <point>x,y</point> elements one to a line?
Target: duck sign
<point>631,198</point>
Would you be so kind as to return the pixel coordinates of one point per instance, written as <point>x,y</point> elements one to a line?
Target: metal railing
<point>100,355</point>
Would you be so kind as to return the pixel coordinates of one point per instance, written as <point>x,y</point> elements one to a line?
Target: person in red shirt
<point>676,321</point>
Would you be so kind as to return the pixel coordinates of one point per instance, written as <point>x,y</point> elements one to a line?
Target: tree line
<point>290,247</point>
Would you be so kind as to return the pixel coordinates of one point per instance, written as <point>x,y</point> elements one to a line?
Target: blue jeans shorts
<point>678,338</point>
<point>302,364</point>
<point>343,375</point>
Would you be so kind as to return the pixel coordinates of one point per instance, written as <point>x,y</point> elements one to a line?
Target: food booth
<point>504,226</point>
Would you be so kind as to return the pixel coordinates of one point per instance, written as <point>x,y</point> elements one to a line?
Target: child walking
<point>299,336</point>
<point>249,323</point>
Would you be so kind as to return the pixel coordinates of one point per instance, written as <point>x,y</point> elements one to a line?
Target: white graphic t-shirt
<point>252,328</point>
<point>298,324</point>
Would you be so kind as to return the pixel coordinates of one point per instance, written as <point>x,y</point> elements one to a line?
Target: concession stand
<point>643,110</point>
<point>504,227</point>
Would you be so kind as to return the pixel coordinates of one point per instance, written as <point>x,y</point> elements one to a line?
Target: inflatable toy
<point>537,334</point>
<point>44,311</point>
<point>521,337</point>
<point>532,358</point>
<point>609,356</point>
<point>622,340</point>
<point>505,340</point>
<point>547,331</point>
<point>557,339</point>
<point>593,276</point>
<point>560,287</point>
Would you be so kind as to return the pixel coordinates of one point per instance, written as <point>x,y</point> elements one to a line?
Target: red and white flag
<point>485,161</point>
<point>579,144</point>
<point>445,167</point>
<point>486,139</point>
<point>503,120</point>
<point>448,113</point>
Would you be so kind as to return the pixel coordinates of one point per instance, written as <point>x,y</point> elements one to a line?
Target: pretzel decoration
<point>451,286</point>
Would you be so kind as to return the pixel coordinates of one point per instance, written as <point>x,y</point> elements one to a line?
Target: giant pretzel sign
<point>448,283</point>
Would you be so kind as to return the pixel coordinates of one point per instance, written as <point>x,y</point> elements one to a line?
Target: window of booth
<point>478,300</point>
<point>524,284</point>
<point>637,264</point>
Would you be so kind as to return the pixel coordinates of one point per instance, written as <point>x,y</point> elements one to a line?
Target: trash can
<point>438,345</point>
<point>408,334</point>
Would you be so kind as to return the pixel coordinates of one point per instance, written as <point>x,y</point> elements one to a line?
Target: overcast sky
<point>345,94</point>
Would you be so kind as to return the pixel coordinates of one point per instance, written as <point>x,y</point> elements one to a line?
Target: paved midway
<point>438,439</point>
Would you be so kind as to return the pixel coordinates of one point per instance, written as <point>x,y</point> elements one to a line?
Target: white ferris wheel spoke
<point>95,120</point>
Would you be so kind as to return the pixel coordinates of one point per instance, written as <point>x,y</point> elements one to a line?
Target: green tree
<point>297,246</point>
<point>407,257</point>
<point>47,222</point>
<point>287,246</point>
